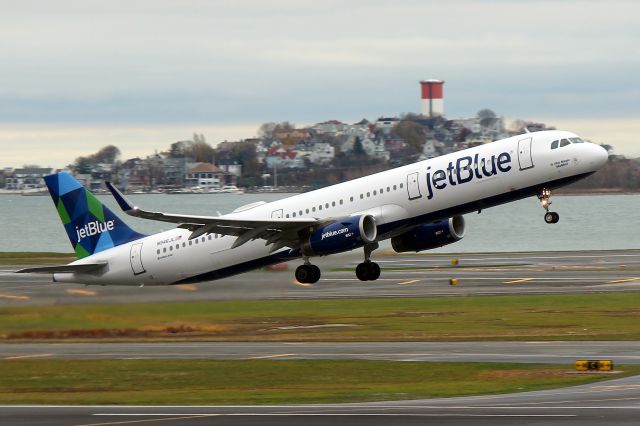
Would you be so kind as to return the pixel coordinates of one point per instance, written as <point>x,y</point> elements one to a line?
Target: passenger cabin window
<point>564,142</point>
<point>554,144</point>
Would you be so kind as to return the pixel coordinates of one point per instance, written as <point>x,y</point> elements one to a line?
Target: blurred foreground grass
<point>195,382</point>
<point>539,317</point>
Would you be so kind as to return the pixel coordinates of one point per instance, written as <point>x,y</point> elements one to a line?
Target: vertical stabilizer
<point>90,225</point>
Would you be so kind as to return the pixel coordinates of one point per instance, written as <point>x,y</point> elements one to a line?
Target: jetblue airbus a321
<point>418,207</point>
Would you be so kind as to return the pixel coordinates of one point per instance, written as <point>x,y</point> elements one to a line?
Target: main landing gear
<point>307,273</point>
<point>545,201</point>
<point>368,270</point>
<point>365,271</point>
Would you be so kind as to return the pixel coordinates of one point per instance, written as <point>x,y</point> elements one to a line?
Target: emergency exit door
<point>524,153</point>
<point>136,259</point>
<point>413,189</point>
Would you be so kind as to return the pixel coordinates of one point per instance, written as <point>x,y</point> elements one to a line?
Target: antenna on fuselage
<point>526,129</point>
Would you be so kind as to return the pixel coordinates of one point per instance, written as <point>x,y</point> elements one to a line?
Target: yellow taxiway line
<point>187,287</point>
<point>28,356</point>
<point>408,282</point>
<point>13,296</point>
<point>521,280</point>
<point>626,280</point>
<point>271,356</point>
<point>82,292</point>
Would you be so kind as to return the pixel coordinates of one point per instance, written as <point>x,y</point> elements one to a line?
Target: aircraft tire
<point>315,274</point>
<point>368,271</point>
<point>548,217</point>
<point>375,271</point>
<point>304,274</point>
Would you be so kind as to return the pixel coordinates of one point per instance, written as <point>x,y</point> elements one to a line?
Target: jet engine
<point>342,235</point>
<point>430,235</point>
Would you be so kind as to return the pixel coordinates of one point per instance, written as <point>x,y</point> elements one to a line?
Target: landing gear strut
<point>368,270</point>
<point>307,273</point>
<point>545,201</point>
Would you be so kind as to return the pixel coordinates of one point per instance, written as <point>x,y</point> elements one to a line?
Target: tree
<point>269,130</point>
<point>108,154</point>
<point>487,117</point>
<point>414,134</point>
<point>358,150</point>
<point>177,150</point>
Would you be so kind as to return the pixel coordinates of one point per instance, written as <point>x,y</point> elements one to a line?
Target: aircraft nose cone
<point>600,156</point>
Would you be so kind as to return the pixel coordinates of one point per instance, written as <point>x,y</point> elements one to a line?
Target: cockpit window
<point>554,144</point>
<point>576,140</point>
<point>564,142</point>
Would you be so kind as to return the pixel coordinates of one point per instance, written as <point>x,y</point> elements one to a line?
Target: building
<point>322,153</point>
<point>28,178</point>
<point>206,176</point>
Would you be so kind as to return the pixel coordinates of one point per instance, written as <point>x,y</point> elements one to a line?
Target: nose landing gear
<point>545,201</point>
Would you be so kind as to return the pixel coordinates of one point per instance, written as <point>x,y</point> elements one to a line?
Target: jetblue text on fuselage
<point>465,170</point>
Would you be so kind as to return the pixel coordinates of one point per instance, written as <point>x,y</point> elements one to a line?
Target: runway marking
<point>125,422</point>
<point>521,280</point>
<point>81,292</point>
<point>298,414</point>
<point>187,287</point>
<point>13,296</point>
<point>409,282</point>
<point>626,280</point>
<point>28,356</point>
<point>271,356</point>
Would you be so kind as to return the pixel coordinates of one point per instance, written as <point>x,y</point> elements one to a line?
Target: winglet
<point>122,202</point>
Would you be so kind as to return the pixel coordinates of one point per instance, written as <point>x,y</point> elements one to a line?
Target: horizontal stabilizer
<point>86,268</point>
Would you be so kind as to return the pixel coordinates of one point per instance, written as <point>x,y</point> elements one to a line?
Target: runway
<point>413,275</point>
<point>562,352</point>
<point>612,402</point>
<point>409,275</point>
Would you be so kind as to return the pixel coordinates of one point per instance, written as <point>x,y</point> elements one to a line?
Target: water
<point>595,222</point>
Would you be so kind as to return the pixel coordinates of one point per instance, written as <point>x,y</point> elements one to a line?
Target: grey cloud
<point>166,61</point>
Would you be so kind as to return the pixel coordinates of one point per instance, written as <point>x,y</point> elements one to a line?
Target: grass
<point>541,317</point>
<point>35,258</point>
<point>194,382</point>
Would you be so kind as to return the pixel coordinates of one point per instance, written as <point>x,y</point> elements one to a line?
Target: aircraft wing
<point>83,268</point>
<point>279,232</point>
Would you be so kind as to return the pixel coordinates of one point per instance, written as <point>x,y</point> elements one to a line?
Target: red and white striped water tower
<point>432,99</point>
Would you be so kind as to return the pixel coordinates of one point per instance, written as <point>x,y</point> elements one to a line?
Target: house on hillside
<point>207,176</point>
<point>28,178</point>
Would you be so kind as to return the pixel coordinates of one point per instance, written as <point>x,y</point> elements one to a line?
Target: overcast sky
<point>77,75</point>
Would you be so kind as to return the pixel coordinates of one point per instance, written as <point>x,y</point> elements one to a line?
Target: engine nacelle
<point>342,235</point>
<point>430,236</point>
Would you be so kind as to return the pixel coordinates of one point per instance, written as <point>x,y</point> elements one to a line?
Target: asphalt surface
<point>606,403</point>
<point>412,275</point>
<point>563,352</point>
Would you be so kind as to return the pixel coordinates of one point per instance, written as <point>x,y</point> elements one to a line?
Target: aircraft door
<point>276,214</point>
<point>524,154</point>
<point>412,186</point>
<point>136,259</point>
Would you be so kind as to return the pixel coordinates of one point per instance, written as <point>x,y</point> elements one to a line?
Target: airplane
<point>418,207</point>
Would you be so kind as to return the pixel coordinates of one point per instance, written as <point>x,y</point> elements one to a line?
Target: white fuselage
<point>398,199</point>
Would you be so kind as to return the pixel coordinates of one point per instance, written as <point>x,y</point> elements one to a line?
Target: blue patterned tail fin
<point>90,225</point>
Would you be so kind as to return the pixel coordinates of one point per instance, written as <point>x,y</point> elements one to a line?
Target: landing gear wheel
<point>307,274</point>
<point>368,271</point>
<point>551,217</point>
<point>315,274</point>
